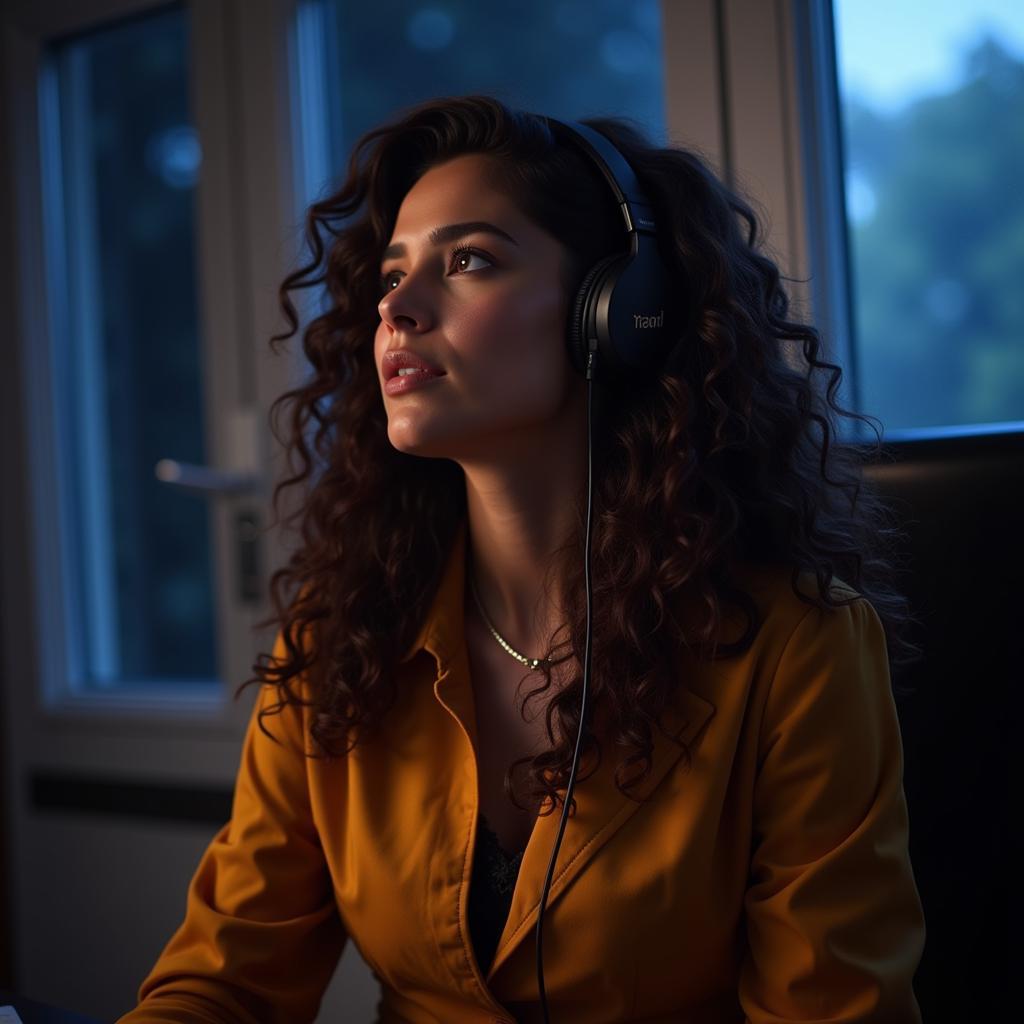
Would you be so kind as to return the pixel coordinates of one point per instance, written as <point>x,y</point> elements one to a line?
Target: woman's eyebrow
<point>449,233</point>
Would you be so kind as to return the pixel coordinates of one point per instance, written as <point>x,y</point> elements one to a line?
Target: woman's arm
<point>262,934</point>
<point>835,925</point>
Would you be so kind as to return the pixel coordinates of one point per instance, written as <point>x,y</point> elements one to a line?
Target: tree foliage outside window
<point>936,221</point>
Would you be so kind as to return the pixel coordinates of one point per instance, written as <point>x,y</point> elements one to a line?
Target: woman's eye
<point>461,254</point>
<point>458,263</point>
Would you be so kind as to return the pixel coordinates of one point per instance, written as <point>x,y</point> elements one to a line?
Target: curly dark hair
<point>728,455</point>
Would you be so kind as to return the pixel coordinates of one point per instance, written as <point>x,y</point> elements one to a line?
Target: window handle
<point>206,480</point>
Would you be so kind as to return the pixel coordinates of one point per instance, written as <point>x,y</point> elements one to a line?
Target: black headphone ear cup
<point>592,282</point>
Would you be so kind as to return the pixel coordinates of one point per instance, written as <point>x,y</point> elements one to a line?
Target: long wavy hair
<point>727,455</point>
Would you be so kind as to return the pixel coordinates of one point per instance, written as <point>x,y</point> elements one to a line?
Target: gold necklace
<point>533,663</point>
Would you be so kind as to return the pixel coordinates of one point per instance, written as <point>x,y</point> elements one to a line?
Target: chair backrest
<point>960,501</point>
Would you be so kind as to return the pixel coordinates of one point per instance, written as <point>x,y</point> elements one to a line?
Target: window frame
<point>243,204</point>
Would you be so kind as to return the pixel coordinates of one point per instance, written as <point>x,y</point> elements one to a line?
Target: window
<point>570,59</point>
<point>932,111</point>
<point>121,160</point>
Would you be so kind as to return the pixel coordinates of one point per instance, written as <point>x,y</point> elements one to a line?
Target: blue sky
<point>891,52</point>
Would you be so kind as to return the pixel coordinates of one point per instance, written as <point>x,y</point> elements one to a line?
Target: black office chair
<point>960,501</point>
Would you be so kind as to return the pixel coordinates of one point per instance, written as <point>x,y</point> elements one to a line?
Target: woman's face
<point>491,316</point>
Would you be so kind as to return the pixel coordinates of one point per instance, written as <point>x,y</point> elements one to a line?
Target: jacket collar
<point>442,632</point>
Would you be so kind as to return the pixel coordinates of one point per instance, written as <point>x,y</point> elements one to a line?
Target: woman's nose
<point>406,307</point>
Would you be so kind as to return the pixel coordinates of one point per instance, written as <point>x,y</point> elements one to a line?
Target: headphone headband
<point>631,197</point>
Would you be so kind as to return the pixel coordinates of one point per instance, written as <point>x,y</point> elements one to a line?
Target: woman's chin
<point>412,443</point>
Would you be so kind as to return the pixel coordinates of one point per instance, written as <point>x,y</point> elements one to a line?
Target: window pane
<point>932,99</point>
<point>122,161</point>
<point>589,59</point>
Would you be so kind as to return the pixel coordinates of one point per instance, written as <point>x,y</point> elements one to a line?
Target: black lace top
<point>490,892</point>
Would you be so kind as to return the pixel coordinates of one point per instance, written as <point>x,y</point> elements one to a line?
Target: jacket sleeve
<point>835,925</point>
<point>262,934</point>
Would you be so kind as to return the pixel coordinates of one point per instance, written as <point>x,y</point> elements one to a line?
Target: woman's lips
<point>398,385</point>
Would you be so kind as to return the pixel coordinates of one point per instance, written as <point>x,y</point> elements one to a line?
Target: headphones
<point>622,325</point>
<point>621,311</point>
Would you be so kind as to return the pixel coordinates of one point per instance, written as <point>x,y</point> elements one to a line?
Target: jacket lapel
<point>601,810</point>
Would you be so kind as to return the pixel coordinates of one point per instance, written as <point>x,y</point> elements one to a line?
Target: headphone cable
<point>591,359</point>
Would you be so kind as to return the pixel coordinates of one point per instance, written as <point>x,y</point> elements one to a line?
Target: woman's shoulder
<point>784,595</point>
<point>774,582</point>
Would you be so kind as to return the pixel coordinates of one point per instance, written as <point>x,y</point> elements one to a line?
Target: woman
<point>737,843</point>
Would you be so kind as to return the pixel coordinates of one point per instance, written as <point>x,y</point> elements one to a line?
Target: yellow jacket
<point>771,882</point>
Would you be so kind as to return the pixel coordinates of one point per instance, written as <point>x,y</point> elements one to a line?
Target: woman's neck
<point>510,544</point>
